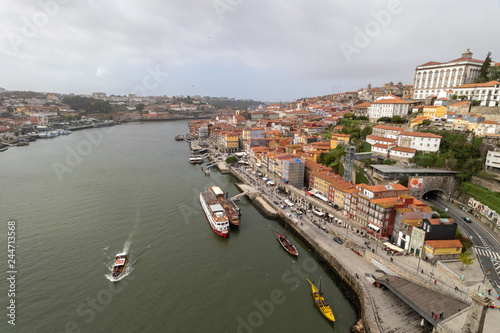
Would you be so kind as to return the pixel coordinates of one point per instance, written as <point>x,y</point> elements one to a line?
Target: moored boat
<point>287,245</point>
<point>179,138</point>
<point>121,261</point>
<point>215,214</point>
<point>320,301</point>
<point>232,214</point>
<point>3,149</point>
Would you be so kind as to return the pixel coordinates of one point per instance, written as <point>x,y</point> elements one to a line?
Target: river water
<point>77,200</point>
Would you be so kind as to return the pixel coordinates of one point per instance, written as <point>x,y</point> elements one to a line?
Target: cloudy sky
<point>268,50</point>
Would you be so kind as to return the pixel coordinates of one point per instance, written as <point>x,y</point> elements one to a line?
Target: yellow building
<point>339,139</point>
<point>417,121</point>
<point>433,111</point>
<point>435,250</point>
<point>230,141</point>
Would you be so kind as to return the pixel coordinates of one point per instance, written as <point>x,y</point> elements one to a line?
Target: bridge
<point>420,180</point>
<point>426,302</point>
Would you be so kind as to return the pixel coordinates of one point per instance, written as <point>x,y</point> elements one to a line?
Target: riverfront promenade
<point>383,311</point>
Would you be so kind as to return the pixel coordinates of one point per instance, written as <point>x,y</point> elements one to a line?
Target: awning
<point>258,165</point>
<point>393,247</point>
<point>374,227</point>
<point>319,196</point>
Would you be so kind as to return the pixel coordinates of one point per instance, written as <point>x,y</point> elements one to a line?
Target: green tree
<point>454,97</point>
<point>466,259</point>
<point>426,122</point>
<point>140,107</point>
<point>485,70</point>
<point>366,131</point>
<point>384,119</point>
<point>231,160</point>
<point>495,73</point>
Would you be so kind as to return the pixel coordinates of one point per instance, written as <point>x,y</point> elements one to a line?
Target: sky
<point>266,50</point>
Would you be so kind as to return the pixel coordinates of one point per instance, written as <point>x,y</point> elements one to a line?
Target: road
<point>486,247</point>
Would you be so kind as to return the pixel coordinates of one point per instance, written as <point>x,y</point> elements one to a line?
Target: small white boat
<point>121,262</point>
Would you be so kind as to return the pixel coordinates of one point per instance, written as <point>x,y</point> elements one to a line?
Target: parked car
<point>338,240</point>
<point>466,219</point>
<point>276,202</point>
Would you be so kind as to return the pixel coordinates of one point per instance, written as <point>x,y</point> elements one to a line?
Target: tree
<point>485,70</point>
<point>231,160</point>
<point>140,107</point>
<point>495,73</point>
<point>466,259</point>
<point>384,119</point>
<point>454,97</point>
<point>426,122</point>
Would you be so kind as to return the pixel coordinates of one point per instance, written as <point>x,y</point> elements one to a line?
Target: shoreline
<point>348,281</point>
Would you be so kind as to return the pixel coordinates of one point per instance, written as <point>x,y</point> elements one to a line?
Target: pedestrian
<point>435,316</point>
<point>435,281</point>
<point>422,271</point>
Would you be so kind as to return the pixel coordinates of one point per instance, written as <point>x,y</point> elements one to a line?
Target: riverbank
<point>357,261</point>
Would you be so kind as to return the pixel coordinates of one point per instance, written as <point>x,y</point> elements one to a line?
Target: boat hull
<point>289,247</point>
<point>219,231</point>
<point>320,302</point>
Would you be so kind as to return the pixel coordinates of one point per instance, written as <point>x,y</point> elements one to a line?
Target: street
<point>486,247</point>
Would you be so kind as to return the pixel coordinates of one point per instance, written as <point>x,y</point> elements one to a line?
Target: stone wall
<point>489,113</point>
<point>491,184</point>
<point>447,184</point>
<point>363,299</point>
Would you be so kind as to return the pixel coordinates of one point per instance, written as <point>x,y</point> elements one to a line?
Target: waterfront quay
<point>362,258</point>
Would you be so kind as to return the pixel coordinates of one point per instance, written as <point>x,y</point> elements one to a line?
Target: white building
<point>433,77</point>
<point>375,139</point>
<point>402,152</point>
<point>487,127</point>
<point>493,161</point>
<point>488,93</point>
<point>388,106</point>
<point>427,142</point>
<point>391,132</point>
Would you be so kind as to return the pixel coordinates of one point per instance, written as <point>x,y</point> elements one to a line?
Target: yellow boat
<point>321,302</point>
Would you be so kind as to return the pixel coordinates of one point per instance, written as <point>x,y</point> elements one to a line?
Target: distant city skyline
<point>266,51</point>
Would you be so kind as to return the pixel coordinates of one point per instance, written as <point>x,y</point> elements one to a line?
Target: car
<point>466,219</point>
<point>338,240</point>
<point>276,202</point>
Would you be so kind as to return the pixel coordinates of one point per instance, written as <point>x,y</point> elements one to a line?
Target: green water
<point>78,200</point>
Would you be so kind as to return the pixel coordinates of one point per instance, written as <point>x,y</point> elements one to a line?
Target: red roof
<point>390,101</point>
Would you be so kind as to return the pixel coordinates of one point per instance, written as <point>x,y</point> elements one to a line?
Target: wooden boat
<point>321,302</point>
<point>289,247</point>
<point>3,149</point>
<point>121,262</point>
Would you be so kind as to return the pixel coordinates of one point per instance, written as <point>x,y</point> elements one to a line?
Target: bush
<point>389,162</point>
<point>231,160</point>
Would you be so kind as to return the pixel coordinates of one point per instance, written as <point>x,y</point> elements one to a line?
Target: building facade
<point>433,77</point>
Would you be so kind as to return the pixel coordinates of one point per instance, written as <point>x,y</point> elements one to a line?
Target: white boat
<point>46,135</point>
<point>121,261</point>
<point>215,214</point>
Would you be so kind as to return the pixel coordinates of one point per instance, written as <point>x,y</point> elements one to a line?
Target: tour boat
<point>121,261</point>
<point>289,247</point>
<point>320,301</point>
<point>229,207</point>
<point>215,214</point>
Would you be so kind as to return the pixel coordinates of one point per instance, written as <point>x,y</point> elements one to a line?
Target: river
<point>77,200</point>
